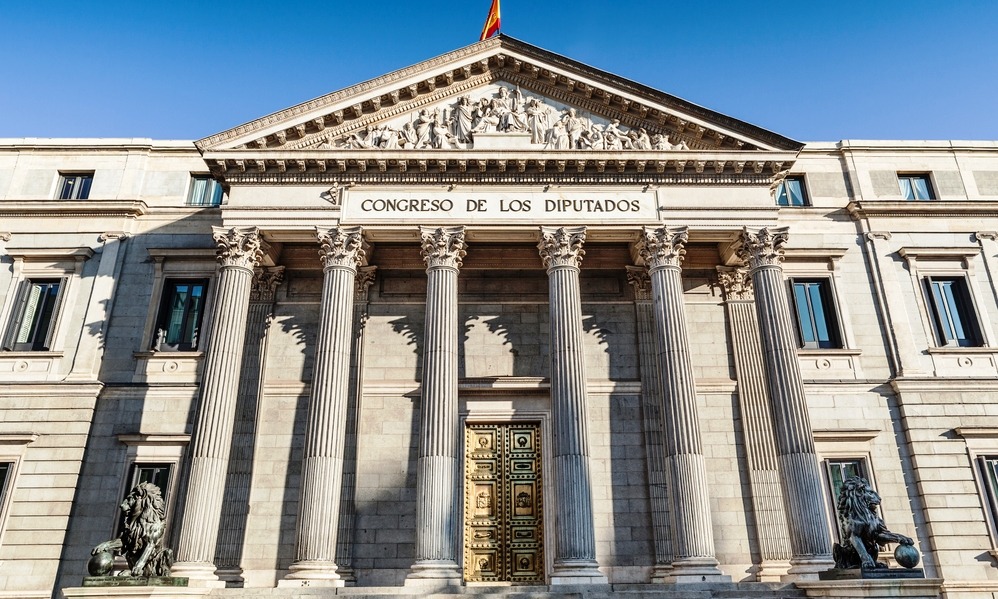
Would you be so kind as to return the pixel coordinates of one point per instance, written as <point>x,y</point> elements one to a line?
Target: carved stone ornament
<point>238,246</point>
<point>363,281</point>
<point>341,246</point>
<point>4,236</point>
<point>763,247</point>
<point>862,529</point>
<point>265,283</point>
<point>736,283</point>
<point>663,246</point>
<point>443,246</point>
<point>502,110</point>
<point>639,278</point>
<point>562,246</point>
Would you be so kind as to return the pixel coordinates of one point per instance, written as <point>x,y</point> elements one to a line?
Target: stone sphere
<point>906,555</point>
<point>101,563</point>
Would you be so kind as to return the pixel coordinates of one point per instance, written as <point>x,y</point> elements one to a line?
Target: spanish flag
<point>491,22</point>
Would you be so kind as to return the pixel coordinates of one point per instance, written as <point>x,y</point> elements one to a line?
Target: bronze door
<point>502,504</point>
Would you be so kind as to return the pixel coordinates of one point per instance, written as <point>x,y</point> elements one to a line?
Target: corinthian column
<point>575,552</point>
<point>322,462</point>
<point>798,464</point>
<point>692,535</point>
<point>438,497</point>
<point>238,252</point>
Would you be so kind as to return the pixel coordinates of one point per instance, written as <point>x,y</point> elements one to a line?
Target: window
<point>205,191</point>
<point>791,192</point>
<point>916,187</point>
<point>32,325</point>
<point>180,314</point>
<point>839,471</point>
<point>6,469</point>
<point>817,326</point>
<point>157,474</point>
<point>952,311</point>
<point>989,478</point>
<point>75,186</point>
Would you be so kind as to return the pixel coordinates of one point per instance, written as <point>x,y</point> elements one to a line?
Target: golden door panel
<point>503,536</point>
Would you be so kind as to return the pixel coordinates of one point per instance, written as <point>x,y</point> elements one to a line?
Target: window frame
<point>212,184</point>
<point>178,263</point>
<point>830,313</point>
<point>19,314</point>
<point>805,192</point>
<point>911,177</point>
<point>982,441</point>
<point>77,192</point>
<point>832,500</point>
<point>964,308</point>
<point>163,314</point>
<point>158,449</point>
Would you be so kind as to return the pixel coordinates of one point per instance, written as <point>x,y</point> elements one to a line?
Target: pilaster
<point>342,251</point>
<point>239,251</point>
<point>693,560</point>
<point>575,552</point>
<point>799,470</point>
<point>438,495</point>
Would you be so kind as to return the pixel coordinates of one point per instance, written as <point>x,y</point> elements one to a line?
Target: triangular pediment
<point>498,93</point>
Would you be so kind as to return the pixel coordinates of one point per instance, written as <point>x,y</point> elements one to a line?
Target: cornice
<point>923,209</point>
<point>75,208</point>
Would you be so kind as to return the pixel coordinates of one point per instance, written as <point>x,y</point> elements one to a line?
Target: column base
<point>434,573</point>
<point>807,568</point>
<point>577,571</point>
<point>198,574</point>
<point>316,573</point>
<point>697,569</point>
<point>771,571</point>
<point>661,574</point>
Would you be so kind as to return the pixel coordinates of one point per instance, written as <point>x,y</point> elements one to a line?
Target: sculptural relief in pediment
<point>528,120</point>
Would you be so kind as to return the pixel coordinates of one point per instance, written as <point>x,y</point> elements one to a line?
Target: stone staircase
<point>743,590</point>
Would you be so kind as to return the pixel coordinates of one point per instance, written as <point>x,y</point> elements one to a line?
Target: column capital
<point>442,246</point>
<point>661,247</point>
<point>363,282</point>
<point>736,283</point>
<point>265,283</point>
<point>238,246</point>
<point>763,247</point>
<point>341,247</point>
<point>562,246</point>
<point>639,278</point>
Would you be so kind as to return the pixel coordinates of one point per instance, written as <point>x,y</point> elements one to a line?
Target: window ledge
<point>962,350</point>
<point>834,351</point>
<point>30,354</point>
<point>168,355</point>
<point>846,434</point>
<point>167,366</point>
<point>982,432</point>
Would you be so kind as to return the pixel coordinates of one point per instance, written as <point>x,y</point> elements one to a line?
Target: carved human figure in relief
<point>538,121</point>
<point>615,138</point>
<point>464,119</point>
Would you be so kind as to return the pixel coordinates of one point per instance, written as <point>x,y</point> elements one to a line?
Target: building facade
<point>498,317</point>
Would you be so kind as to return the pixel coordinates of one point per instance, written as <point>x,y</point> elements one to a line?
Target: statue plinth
<point>871,574</point>
<point>135,581</point>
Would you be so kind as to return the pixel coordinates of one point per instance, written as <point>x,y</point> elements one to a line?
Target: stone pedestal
<point>575,548</point>
<point>239,250</point>
<point>438,496</point>
<point>322,461</point>
<point>912,588</point>
<point>693,560</point>
<point>800,473</point>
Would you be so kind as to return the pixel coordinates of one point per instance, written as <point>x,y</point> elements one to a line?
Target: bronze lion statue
<point>863,530</point>
<point>141,537</point>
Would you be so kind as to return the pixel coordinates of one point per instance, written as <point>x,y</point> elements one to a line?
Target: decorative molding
<point>4,236</point>
<point>640,279</point>
<point>442,246</point>
<point>112,235</point>
<point>64,209</point>
<point>846,434</point>
<point>763,247</point>
<point>562,246</point>
<point>341,247</point>
<point>882,235</point>
<point>56,254</point>
<point>169,439</point>
<point>735,283</point>
<point>265,283</point>
<point>978,236</point>
<point>238,246</point>
<point>663,247</point>
<point>363,281</point>
<point>927,209</point>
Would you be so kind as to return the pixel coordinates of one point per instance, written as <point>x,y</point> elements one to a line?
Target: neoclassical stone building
<point>498,317</point>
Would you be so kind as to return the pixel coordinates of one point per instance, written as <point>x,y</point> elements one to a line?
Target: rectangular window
<point>180,314</point>
<point>75,186</point>
<point>839,471</point>
<point>817,326</point>
<point>32,326</point>
<point>157,474</point>
<point>205,191</point>
<point>791,192</point>
<point>953,311</point>
<point>5,470</point>
<point>989,477</point>
<point>916,187</point>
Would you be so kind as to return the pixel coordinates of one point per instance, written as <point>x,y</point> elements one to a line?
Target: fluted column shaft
<point>798,463</point>
<point>325,436</point>
<point>239,251</point>
<point>575,551</point>
<point>757,425</point>
<point>692,536</point>
<point>438,495</point>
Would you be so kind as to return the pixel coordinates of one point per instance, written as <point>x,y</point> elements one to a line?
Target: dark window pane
<point>817,325</point>
<point>34,324</point>
<point>790,192</point>
<point>180,315</point>
<point>953,311</point>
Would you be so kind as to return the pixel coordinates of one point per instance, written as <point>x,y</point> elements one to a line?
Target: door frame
<point>524,408</point>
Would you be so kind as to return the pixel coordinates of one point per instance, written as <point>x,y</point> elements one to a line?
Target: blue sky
<point>873,69</point>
